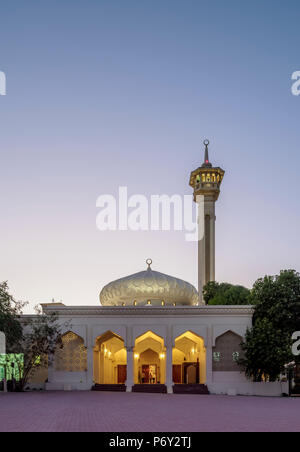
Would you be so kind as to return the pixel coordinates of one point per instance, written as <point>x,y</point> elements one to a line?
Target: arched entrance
<point>189,359</point>
<point>110,359</point>
<point>149,359</point>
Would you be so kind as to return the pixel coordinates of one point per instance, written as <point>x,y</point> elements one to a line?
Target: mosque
<point>152,332</point>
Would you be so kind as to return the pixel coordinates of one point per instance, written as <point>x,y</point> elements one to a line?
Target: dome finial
<point>149,262</point>
<point>206,157</point>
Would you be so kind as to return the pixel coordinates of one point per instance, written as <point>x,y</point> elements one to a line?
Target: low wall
<point>68,381</point>
<point>229,377</point>
<point>70,386</point>
<point>249,388</point>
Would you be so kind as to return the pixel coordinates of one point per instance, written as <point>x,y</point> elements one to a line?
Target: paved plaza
<point>134,412</point>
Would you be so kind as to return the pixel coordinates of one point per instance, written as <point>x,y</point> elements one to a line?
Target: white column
<point>212,241</point>
<point>209,210</point>
<point>209,360</point>
<point>206,251</point>
<point>169,370</point>
<point>169,361</point>
<point>90,368</point>
<point>130,364</point>
<point>201,246</point>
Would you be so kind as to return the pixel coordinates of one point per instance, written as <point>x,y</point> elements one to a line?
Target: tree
<point>41,338</point>
<point>10,311</point>
<point>215,293</point>
<point>267,345</point>
<point>30,340</point>
<point>266,351</point>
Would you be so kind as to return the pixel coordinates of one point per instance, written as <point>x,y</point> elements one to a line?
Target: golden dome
<point>149,288</point>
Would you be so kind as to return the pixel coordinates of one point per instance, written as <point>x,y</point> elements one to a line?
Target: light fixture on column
<point>136,356</point>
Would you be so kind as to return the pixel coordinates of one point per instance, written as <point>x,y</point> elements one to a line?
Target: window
<point>235,356</point>
<point>217,357</point>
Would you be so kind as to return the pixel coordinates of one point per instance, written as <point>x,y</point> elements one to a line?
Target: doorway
<point>149,373</point>
<point>122,373</point>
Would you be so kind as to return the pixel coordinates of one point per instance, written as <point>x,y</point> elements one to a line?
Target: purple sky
<point>102,94</point>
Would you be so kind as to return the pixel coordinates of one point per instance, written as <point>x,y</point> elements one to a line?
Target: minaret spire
<point>206,163</point>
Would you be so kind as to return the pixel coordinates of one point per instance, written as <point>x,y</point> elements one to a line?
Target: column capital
<point>170,343</point>
<point>129,349</point>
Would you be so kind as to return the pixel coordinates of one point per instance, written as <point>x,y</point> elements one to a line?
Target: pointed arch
<point>226,352</point>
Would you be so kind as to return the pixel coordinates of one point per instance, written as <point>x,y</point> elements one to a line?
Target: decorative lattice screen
<point>73,356</point>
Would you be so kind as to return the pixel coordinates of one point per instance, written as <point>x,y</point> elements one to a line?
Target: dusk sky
<point>102,94</point>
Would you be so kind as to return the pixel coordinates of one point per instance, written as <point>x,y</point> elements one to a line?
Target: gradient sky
<point>104,93</point>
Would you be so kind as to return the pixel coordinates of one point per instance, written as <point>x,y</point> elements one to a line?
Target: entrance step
<point>190,389</point>
<point>150,388</point>
<point>109,387</point>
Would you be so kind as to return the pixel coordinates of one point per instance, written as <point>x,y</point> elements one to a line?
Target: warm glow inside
<point>149,368</point>
<point>110,359</point>
<point>189,359</point>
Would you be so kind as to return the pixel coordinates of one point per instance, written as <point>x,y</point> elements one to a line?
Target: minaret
<point>206,182</point>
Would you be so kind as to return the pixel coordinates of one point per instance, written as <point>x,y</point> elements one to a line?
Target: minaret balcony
<point>207,185</point>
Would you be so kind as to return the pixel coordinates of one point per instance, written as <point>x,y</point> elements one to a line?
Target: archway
<point>149,359</point>
<point>110,359</point>
<point>189,359</point>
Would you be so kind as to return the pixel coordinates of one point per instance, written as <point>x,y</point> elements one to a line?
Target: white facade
<point>129,323</point>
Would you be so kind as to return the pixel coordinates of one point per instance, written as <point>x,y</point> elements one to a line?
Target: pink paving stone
<point>134,412</point>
